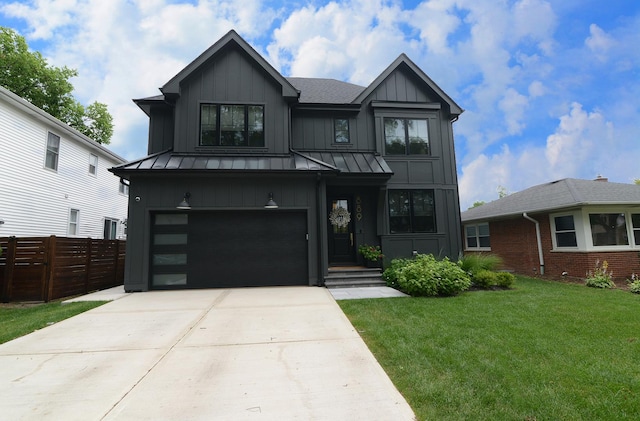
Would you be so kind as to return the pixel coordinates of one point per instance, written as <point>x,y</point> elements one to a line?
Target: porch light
<point>271,204</point>
<point>184,205</point>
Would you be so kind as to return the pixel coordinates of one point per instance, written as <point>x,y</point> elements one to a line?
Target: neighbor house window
<point>608,229</point>
<point>53,150</point>
<point>93,164</point>
<point>565,231</point>
<point>411,211</point>
<point>110,229</point>
<point>341,130</point>
<point>635,222</point>
<point>232,125</point>
<point>477,236</point>
<point>123,189</point>
<point>403,136</point>
<point>74,219</point>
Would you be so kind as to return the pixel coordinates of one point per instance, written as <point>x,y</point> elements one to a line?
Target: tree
<point>477,203</point>
<point>28,75</point>
<point>636,181</point>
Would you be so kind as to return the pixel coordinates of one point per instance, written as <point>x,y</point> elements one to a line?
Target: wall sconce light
<point>271,204</point>
<point>184,205</point>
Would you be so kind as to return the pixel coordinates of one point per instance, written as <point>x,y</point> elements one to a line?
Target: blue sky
<point>550,88</point>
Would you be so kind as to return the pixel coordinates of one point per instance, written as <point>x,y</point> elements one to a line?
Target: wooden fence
<point>48,268</point>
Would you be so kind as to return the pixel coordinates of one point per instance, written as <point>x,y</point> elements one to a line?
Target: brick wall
<point>515,241</point>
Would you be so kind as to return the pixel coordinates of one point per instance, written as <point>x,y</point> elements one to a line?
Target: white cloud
<point>514,106</point>
<point>599,42</point>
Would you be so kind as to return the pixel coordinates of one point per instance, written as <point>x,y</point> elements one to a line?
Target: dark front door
<point>341,235</point>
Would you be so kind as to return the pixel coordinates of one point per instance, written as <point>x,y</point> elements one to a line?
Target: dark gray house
<point>257,179</point>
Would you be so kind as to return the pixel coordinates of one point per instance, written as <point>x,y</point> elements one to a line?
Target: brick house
<point>560,229</point>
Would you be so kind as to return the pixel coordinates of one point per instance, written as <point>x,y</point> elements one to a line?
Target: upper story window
<point>477,236</point>
<point>411,211</point>
<point>123,189</point>
<point>53,150</point>
<point>232,125</point>
<point>93,164</point>
<point>341,130</point>
<point>565,231</point>
<point>403,136</point>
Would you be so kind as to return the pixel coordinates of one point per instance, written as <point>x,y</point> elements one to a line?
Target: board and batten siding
<point>36,201</point>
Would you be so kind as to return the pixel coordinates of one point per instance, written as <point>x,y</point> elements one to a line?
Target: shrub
<point>484,278</point>
<point>505,279</point>
<point>472,263</point>
<point>426,276</point>
<point>634,283</point>
<point>599,277</point>
<point>390,274</point>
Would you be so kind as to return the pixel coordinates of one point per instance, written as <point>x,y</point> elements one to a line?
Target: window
<point>123,189</point>
<point>477,236</point>
<point>232,125</point>
<point>635,222</point>
<point>406,136</point>
<point>74,219</point>
<point>341,130</point>
<point>565,231</point>
<point>53,150</point>
<point>110,229</point>
<point>93,164</point>
<point>411,211</point>
<point>608,229</point>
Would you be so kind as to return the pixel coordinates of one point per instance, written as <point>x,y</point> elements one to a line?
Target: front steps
<point>349,277</point>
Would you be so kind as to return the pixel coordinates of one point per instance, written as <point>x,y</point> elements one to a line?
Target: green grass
<point>540,351</point>
<point>16,321</point>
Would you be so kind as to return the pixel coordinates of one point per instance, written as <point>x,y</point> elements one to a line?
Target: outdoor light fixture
<point>271,204</point>
<point>184,205</point>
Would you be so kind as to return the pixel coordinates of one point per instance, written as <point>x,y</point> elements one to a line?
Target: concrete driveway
<point>283,353</point>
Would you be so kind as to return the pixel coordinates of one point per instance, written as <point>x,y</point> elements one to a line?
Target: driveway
<point>282,353</point>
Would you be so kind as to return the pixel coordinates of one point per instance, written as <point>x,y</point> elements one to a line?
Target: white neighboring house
<point>53,179</point>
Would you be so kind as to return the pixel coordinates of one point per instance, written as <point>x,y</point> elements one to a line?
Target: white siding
<point>35,201</point>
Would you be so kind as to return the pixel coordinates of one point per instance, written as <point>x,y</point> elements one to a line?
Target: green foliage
<point>371,253</point>
<point>484,278</point>
<point>390,274</point>
<point>505,279</point>
<point>477,203</point>
<point>426,276</point>
<point>600,277</point>
<point>475,262</point>
<point>634,284</point>
<point>28,75</point>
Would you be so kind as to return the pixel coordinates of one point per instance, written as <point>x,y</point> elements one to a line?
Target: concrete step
<point>354,277</point>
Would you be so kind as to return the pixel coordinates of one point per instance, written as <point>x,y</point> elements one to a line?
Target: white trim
<point>477,225</point>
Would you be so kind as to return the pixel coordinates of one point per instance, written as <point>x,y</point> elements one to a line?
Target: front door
<point>341,233</point>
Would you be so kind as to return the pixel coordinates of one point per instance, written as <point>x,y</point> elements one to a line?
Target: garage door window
<point>169,250</point>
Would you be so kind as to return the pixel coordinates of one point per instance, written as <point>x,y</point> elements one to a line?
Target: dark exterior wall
<point>222,192</point>
<point>314,130</point>
<point>515,241</point>
<point>160,129</point>
<point>233,78</point>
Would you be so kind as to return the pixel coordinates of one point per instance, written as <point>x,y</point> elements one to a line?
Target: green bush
<point>634,284</point>
<point>390,274</point>
<point>484,278</point>
<point>472,263</point>
<point>505,279</point>
<point>426,276</point>
<point>599,277</point>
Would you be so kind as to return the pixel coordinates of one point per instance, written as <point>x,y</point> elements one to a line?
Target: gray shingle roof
<point>325,91</point>
<point>560,194</point>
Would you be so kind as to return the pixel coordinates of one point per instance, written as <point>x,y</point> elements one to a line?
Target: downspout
<point>539,240</point>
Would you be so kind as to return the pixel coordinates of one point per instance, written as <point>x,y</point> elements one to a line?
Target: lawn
<point>19,320</point>
<point>540,351</point>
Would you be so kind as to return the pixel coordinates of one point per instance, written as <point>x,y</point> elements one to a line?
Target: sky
<point>550,88</point>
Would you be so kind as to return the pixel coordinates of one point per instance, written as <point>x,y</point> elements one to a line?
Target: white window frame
<point>73,226</point>
<point>51,151</point>
<point>93,165</point>
<point>477,236</point>
<point>113,228</point>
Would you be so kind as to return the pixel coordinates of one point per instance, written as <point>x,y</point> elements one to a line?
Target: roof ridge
<point>577,197</point>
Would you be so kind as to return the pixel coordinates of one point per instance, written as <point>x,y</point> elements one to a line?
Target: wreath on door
<point>340,217</point>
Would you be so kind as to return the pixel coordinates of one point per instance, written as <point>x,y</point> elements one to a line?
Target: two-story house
<point>257,179</point>
<point>55,180</point>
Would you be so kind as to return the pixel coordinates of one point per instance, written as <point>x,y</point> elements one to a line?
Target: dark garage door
<point>246,248</point>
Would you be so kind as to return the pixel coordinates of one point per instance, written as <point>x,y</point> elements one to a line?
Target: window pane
<point>341,126</point>
<point>470,230</point>
<point>566,239</point>
<point>635,220</point>
<point>232,125</point>
<point>399,220</point>
<point>418,137</point>
<point>164,239</point>
<point>73,221</point>
<point>608,229</point>
<point>170,259</point>
<point>485,241</point>
<point>564,223</point>
<point>170,279</point>
<point>256,125</point>
<point>53,150</point>
<point>483,229</point>
<point>394,136</point>
<point>472,242</point>
<point>423,215</point>
<point>208,124</point>
<point>93,164</point>
<point>172,219</point>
